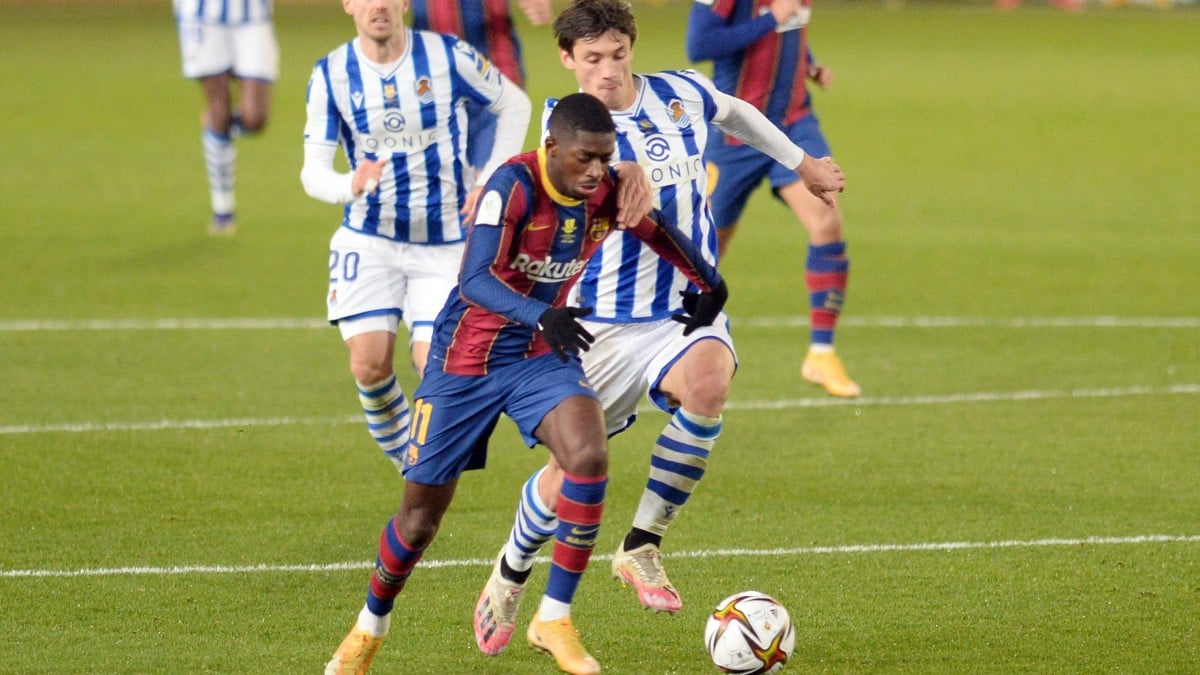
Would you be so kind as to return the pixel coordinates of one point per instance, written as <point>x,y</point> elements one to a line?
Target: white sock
<point>552,609</point>
<point>377,626</point>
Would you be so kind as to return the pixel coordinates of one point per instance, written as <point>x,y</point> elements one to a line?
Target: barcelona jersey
<point>528,245</point>
<point>754,59</point>
<point>485,24</point>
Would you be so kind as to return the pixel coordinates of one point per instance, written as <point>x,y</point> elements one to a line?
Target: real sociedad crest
<point>679,115</point>
<point>424,89</point>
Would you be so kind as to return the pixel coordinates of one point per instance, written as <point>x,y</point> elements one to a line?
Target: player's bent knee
<point>253,125</point>
<point>587,461</point>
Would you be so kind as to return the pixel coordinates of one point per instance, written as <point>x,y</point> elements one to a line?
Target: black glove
<point>562,332</point>
<point>702,308</point>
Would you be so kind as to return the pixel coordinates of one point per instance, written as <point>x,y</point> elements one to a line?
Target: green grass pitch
<point>184,486</point>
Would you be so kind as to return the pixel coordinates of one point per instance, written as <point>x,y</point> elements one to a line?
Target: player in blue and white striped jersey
<point>222,41</point>
<point>394,101</point>
<point>662,123</point>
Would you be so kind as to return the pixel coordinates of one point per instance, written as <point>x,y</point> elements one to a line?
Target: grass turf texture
<point>1001,165</point>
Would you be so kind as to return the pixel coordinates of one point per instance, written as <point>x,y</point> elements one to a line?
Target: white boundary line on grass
<point>718,553</point>
<point>824,402</point>
<point>285,323</point>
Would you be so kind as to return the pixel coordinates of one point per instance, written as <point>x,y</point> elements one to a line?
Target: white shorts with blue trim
<point>374,282</point>
<point>629,360</point>
<point>247,51</point>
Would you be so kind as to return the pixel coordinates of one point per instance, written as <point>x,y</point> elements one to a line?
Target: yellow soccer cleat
<point>826,369</point>
<point>642,568</point>
<point>354,655</point>
<point>560,639</point>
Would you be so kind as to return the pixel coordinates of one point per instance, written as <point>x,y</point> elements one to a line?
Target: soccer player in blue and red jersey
<point>393,100</point>
<point>507,343</point>
<point>487,26</point>
<point>760,54</point>
<point>662,121</point>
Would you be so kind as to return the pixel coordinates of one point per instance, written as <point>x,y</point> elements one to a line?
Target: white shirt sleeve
<point>747,124</point>
<point>504,98</point>
<point>320,179</point>
<point>321,138</point>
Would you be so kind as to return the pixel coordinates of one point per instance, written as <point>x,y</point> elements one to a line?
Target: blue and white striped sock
<point>534,526</point>
<point>387,414</point>
<point>677,463</point>
<point>220,159</point>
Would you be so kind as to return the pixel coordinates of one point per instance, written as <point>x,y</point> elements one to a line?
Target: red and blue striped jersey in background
<point>753,59</point>
<point>528,245</point>
<point>486,24</point>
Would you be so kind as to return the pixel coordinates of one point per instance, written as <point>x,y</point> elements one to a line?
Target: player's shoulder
<point>686,79</point>
<point>518,172</point>
<point>334,63</point>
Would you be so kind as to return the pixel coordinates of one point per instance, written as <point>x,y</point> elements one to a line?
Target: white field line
<point>716,553</point>
<point>824,402</point>
<point>284,323</point>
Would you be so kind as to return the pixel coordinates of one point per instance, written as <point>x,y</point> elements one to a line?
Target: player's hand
<point>821,75</point>
<point>539,12</point>
<point>562,332</point>
<point>702,308</point>
<point>823,177</point>
<point>367,176</point>
<point>468,209</point>
<point>635,197</point>
<point>784,10</point>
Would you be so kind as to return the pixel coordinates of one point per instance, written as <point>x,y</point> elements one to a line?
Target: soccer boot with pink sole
<point>642,568</point>
<point>496,612</point>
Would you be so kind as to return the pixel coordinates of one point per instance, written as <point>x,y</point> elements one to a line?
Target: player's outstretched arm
<point>823,177</point>
<point>674,246</point>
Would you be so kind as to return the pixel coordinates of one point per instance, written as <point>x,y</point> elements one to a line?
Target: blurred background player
<point>223,41</point>
<point>760,54</point>
<point>393,99</point>
<point>661,120</point>
<point>507,343</point>
<point>487,26</point>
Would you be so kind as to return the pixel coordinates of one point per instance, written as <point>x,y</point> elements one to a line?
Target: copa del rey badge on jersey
<point>489,209</point>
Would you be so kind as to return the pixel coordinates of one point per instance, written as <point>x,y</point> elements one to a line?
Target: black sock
<point>637,537</point>
<point>512,575</point>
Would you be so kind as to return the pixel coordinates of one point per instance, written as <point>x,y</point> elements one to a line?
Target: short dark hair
<point>589,19</point>
<point>580,112</point>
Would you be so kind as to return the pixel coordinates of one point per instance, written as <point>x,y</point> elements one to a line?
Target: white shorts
<point>374,282</point>
<point>247,51</point>
<point>629,360</point>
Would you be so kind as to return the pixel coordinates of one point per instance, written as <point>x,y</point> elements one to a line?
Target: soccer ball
<point>749,632</point>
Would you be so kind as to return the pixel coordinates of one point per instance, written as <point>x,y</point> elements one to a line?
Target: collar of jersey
<point>550,190</point>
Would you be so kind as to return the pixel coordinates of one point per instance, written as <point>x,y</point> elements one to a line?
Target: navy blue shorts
<point>736,170</point>
<point>454,415</point>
